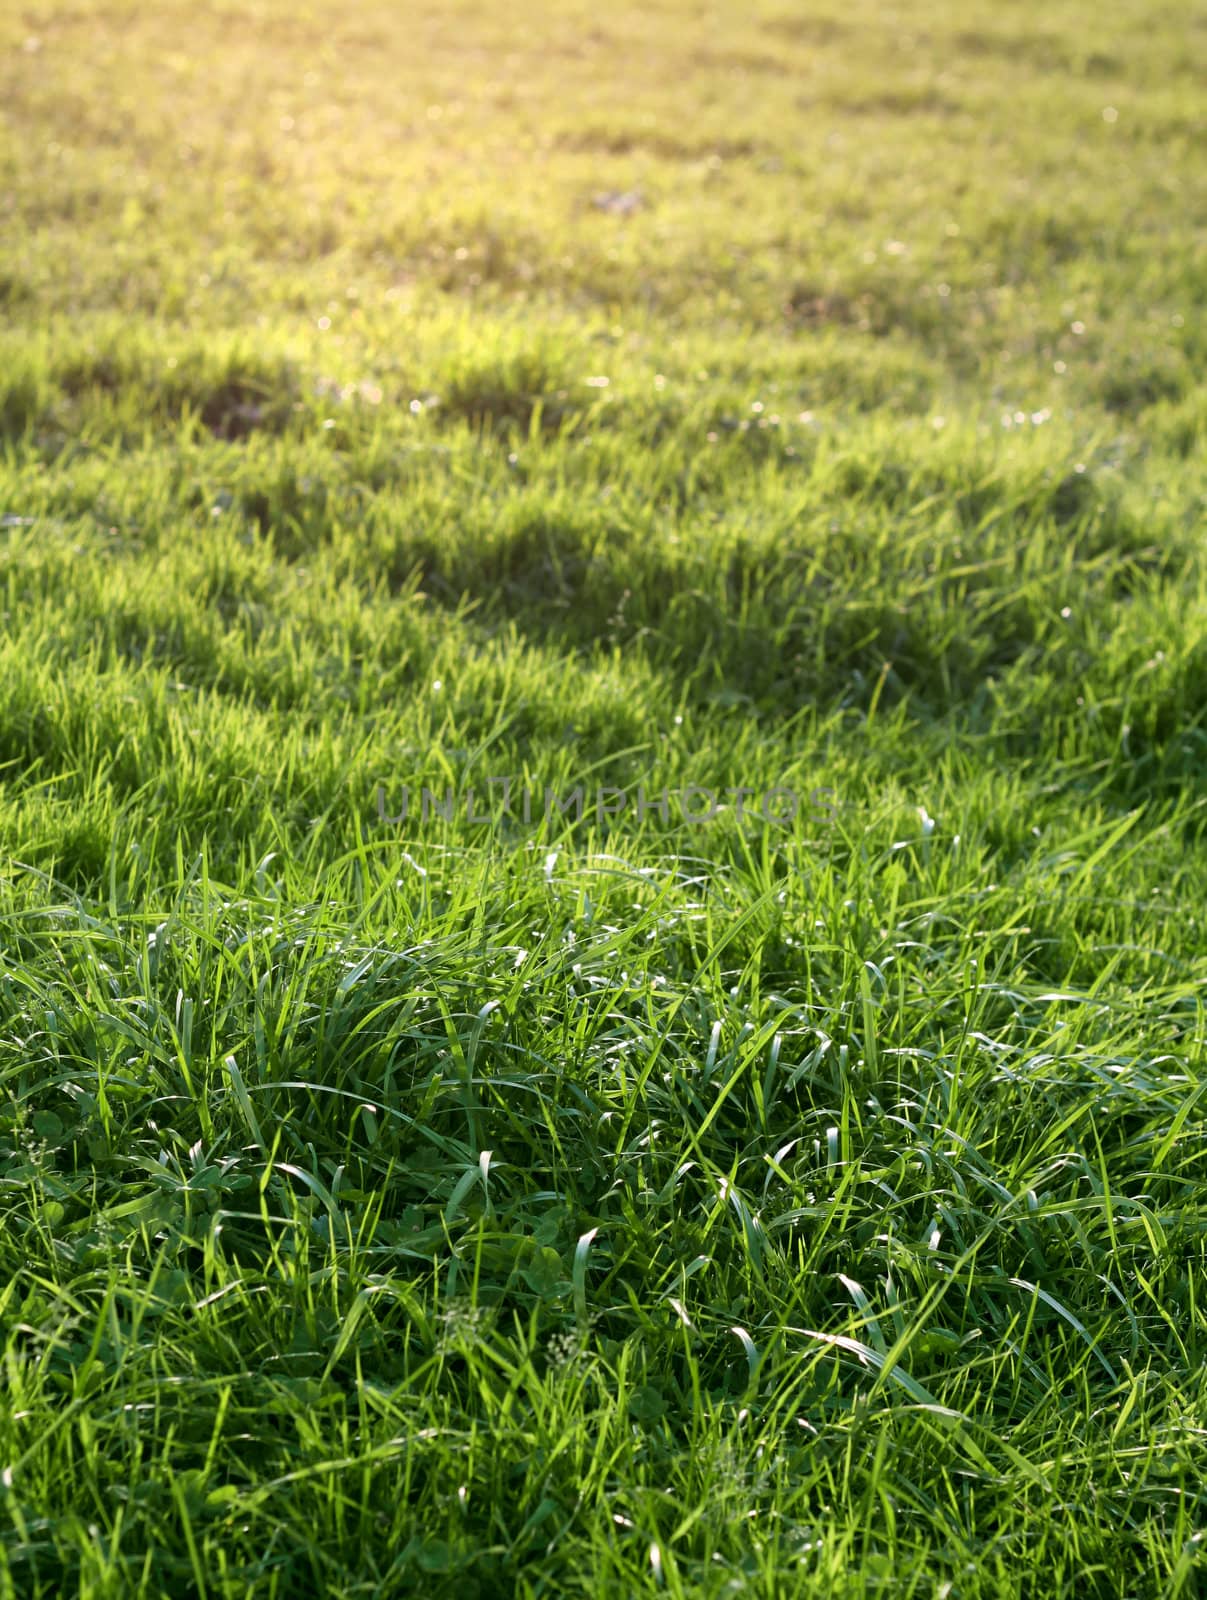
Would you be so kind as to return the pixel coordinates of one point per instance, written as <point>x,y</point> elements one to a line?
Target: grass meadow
<point>783,427</point>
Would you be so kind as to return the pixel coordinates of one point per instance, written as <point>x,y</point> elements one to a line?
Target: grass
<point>740,399</point>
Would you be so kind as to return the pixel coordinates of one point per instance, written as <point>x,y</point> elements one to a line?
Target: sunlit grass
<point>652,400</point>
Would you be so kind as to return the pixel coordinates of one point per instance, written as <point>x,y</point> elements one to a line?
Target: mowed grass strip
<point>781,1173</point>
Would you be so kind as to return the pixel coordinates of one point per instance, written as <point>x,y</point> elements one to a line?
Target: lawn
<point>603,835</point>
